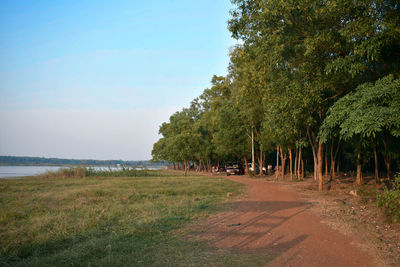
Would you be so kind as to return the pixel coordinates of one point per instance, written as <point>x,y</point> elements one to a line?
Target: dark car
<point>234,168</point>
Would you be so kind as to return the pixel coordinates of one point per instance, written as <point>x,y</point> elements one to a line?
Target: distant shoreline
<point>20,171</point>
<point>74,165</point>
<point>57,165</point>
<point>41,161</point>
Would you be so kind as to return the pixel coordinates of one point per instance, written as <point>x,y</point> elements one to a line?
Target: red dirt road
<point>274,220</point>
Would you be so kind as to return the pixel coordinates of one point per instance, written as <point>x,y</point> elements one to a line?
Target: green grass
<point>112,221</point>
<point>83,172</point>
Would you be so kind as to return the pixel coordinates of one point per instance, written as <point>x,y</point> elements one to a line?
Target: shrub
<point>389,200</point>
<point>66,173</point>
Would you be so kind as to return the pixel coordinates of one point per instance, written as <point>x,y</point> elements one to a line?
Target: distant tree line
<point>313,86</point>
<point>37,161</point>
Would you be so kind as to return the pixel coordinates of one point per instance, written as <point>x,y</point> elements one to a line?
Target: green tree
<point>317,44</point>
<point>370,112</point>
<point>248,94</point>
<point>178,142</point>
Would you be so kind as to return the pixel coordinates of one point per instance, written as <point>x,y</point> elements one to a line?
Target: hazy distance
<point>94,80</point>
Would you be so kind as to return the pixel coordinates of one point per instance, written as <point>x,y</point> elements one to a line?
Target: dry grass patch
<point>110,220</point>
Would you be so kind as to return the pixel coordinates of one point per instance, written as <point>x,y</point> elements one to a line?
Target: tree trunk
<point>261,163</point>
<point>326,160</point>
<point>300,163</point>
<point>277,163</point>
<point>316,169</point>
<point>320,157</point>
<point>338,167</point>
<point>252,150</point>
<point>387,159</point>
<point>333,158</point>
<point>295,164</point>
<point>283,160</point>
<point>290,164</point>
<point>320,165</point>
<point>312,139</point>
<point>332,172</point>
<point>246,166</point>
<point>302,166</point>
<point>185,168</point>
<point>283,167</point>
<point>376,163</point>
<point>359,179</point>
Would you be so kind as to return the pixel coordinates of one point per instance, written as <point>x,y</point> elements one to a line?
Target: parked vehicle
<point>234,168</point>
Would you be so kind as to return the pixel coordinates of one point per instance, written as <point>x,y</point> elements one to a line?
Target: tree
<point>231,139</point>
<point>317,44</point>
<point>178,142</point>
<point>294,39</point>
<point>296,59</point>
<point>248,95</point>
<point>370,112</point>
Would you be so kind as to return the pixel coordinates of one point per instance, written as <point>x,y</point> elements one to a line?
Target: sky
<point>95,79</point>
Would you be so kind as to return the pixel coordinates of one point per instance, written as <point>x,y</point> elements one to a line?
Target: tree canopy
<point>316,72</point>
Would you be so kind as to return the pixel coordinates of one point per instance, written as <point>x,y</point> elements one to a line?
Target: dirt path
<point>275,220</point>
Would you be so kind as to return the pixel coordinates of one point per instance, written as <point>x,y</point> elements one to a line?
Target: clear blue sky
<point>94,79</point>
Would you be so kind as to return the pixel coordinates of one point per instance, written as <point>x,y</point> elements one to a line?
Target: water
<point>20,171</point>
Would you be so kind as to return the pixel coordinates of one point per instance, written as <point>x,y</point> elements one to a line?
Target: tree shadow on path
<point>250,225</point>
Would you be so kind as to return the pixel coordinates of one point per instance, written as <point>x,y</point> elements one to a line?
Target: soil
<point>295,225</point>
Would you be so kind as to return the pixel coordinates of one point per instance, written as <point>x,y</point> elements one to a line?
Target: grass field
<point>112,221</point>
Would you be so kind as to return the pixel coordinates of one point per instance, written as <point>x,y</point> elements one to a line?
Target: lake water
<point>20,171</point>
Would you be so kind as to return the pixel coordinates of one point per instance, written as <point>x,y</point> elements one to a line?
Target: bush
<point>389,200</point>
<point>79,171</point>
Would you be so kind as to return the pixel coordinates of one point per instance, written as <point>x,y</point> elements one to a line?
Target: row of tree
<point>315,81</point>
